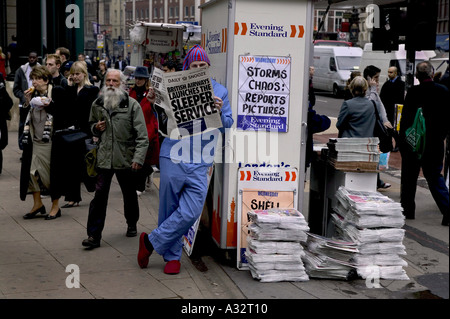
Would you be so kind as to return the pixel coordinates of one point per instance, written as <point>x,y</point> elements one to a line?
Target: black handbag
<point>384,134</point>
<point>72,136</point>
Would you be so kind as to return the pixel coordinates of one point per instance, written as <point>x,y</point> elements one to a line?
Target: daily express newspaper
<point>187,98</point>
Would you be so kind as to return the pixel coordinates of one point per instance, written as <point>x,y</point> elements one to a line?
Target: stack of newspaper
<point>354,154</point>
<point>374,222</point>
<point>329,258</point>
<point>274,252</point>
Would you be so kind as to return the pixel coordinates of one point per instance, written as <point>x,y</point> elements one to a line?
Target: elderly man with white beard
<point>119,123</point>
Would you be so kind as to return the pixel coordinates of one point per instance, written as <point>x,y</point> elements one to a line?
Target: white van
<point>333,65</point>
<point>395,58</point>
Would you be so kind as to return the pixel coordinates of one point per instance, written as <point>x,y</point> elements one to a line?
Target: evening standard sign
<point>264,90</point>
<point>188,100</point>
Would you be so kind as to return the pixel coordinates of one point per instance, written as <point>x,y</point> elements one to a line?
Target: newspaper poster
<point>264,92</point>
<point>188,100</point>
<point>163,41</point>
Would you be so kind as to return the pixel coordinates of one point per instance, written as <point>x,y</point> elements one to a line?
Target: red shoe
<point>143,253</point>
<point>172,267</point>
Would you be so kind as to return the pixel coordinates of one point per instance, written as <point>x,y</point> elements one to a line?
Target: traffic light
<point>421,25</point>
<point>386,37</point>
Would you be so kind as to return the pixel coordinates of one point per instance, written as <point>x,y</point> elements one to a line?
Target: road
<point>327,104</point>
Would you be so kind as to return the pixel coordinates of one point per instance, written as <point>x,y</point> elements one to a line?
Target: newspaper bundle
<point>350,154</point>
<point>328,258</point>
<point>374,222</point>
<point>274,251</point>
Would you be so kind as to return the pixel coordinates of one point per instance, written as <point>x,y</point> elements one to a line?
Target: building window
<point>155,13</point>
<point>338,20</point>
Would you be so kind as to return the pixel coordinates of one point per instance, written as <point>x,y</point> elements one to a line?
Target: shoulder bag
<point>383,133</point>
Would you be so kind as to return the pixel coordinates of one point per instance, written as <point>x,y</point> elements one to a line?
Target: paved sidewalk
<point>34,255</point>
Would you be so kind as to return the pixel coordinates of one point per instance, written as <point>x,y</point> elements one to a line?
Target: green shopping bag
<point>415,135</point>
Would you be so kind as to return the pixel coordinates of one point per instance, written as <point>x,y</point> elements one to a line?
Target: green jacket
<point>125,139</point>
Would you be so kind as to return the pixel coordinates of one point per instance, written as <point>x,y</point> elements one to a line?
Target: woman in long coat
<point>140,92</point>
<point>43,162</point>
<point>81,93</point>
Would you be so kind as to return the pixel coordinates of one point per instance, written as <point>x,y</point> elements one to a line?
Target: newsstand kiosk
<point>261,51</point>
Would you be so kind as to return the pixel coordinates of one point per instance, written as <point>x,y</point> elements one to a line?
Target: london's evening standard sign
<point>264,90</point>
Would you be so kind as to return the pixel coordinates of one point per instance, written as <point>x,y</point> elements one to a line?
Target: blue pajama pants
<point>182,194</point>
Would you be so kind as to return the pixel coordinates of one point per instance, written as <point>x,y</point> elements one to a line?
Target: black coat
<point>63,116</point>
<point>392,93</point>
<point>82,103</point>
<point>433,99</point>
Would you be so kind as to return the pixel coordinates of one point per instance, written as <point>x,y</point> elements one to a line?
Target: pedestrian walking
<point>120,64</point>
<point>53,64</point>
<point>347,93</point>
<point>183,186</point>
<point>44,160</point>
<point>64,55</point>
<point>22,82</point>
<point>316,123</point>
<point>12,55</point>
<point>119,123</point>
<point>357,116</point>
<point>392,93</point>
<point>81,94</point>
<point>432,98</point>
<point>142,93</point>
<point>6,104</point>
<point>372,74</point>
<point>101,73</point>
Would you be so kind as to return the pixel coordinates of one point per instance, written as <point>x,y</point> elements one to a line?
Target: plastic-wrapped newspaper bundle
<point>373,221</point>
<point>354,153</point>
<point>329,258</point>
<point>274,252</point>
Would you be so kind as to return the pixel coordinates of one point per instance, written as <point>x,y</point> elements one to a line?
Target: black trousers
<point>431,165</point>
<point>98,206</point>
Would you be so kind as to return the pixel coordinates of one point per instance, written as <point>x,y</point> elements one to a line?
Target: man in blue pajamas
<point>183,185</point>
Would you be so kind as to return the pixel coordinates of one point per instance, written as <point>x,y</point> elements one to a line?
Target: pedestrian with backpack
<point>428,103</point>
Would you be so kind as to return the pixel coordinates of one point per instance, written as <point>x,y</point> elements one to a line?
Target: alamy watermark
<point>73,280</point>
<point>73,20</point>
<point>373,16</point>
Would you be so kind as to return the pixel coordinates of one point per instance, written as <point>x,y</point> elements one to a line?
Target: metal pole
<point>43,27</point>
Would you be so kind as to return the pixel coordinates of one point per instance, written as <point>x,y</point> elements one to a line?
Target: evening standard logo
<point>214,43</point>
<point>268,31</point>
<point>259,176</point>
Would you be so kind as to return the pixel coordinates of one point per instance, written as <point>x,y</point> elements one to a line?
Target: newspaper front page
<point>187,98</point>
